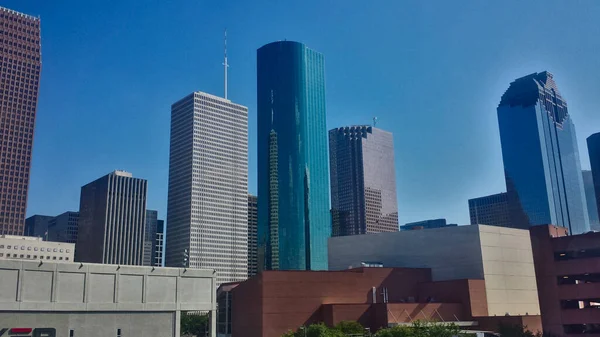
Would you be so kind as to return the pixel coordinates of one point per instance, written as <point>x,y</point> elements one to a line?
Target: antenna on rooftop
<point>374,121</point>
<point>225,64</point>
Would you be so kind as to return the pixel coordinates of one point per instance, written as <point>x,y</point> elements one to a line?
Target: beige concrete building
<point>31,248</point>
<point>500,256</point>
<point>95,300</point>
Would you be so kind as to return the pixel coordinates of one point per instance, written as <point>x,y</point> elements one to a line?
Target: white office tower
<point>207,210</point>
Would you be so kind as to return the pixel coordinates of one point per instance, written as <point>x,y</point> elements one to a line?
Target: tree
<point>196,325</point>
<point>350,327</point>
<point>421,329</point>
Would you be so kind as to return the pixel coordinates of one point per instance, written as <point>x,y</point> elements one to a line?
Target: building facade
<point>37,225</point>
<point>20,65</point>
<point>64,227</point>
<point>275,302</point>
<point>568,274</point>
<point>29,248</point>
<point>490,210</point>
<point>427,224</point>
<point>159,251</point>
<point>540,154</point>
<point>252,235</point>
<point>363,181</point>
<point>501,257</point>
<point>293,188</point>
<point>112,218</point>
<point>150,238</point>
<point>593,144</point>
<point>207,209</point>
<point>92,300</point>
<point>590,197</point>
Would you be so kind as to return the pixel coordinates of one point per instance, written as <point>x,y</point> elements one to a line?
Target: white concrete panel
<point>161,289</point>
<point>37,286</point>
<point>102,288</point>
<point>71,287</point>
<point>131,288</point>
<point>8,285</point>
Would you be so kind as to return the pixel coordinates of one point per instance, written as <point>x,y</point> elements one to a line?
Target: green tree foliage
<point>350,327</point>
<point>518,330</point>
<point>196,325</point>
<point>421,329</point>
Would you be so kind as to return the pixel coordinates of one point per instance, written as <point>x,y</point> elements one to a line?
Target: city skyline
<point>412,206</point>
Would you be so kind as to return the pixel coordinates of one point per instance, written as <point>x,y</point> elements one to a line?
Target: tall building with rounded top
<point>293,185</point>
<point>540,154</point>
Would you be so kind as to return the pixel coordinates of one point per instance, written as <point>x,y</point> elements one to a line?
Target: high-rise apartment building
<point>37,225</point>
<point>593,144</point>
<point>490,210</point>
<point>541,159</point>
<point>112,218</point>
<point>207,209</point>
<point>20,63</point>
<point>252,235</point>
<point>150,237</point>
<point>590,197</point>
<point>64,227</point>
<point>159,248</point>
<point>293,188</point>
<point>363,181</point>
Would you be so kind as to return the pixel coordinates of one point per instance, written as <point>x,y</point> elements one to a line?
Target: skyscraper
<point>20,65</point>
<point>159,248</point>
<point>37,225</point>
<point>112,218</point>
<point>252,235</point>
<point>541,159</point>
<point>363,181</point>
<point>64,227</point>
<point>590,197</point>
<point>150,237</point>
<point>293,189</point>
<point>593,144</point>
<point>207,208</point>
<point>490,210</point>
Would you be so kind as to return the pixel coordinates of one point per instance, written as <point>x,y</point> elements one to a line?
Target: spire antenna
<point>225,64</point>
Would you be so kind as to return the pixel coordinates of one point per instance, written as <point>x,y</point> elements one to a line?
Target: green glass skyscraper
<point>293,186</point>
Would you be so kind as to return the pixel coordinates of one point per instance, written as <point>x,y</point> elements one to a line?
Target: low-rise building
<point>77,299</point>
<point>568,280</point>
<point>274,302</point>
<point>34,248</point>
<point>501,257</point>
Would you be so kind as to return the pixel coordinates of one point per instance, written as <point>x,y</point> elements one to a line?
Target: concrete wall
<point>509,271</point>
<point>106,297</point>
<point>95,324</point>
<point>451,252</point>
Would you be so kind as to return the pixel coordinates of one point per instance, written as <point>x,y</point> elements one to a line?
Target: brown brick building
<point>274,302</point>
<point>19,82</point>
<point>568,280</point>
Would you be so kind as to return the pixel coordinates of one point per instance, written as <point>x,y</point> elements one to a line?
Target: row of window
<point>576,254</point>
<point>34,257</point>
<point>43,249</point>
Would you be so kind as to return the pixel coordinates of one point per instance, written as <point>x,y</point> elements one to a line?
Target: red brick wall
<point>470,293</point>
<point>246,310</point>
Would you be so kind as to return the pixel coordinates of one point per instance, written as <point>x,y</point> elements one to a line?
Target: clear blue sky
<point>432,71</point>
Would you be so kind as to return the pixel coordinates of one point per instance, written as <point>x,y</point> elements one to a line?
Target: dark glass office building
<point>490,210</point>
<point>590,197</point>
<point>363,181</point>
<point>293,188</point>
<point>426,224</point>
<point>593,143</point>
<point>541,159</point>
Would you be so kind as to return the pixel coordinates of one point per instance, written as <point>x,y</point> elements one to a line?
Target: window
<point>2,246</point>
<point>55,250</point>
<point>29,248</point>
<point>118,332</point>
<point>21,256</point>
<point>60,258</point>
<point>22,247</point>
<point>71,333</point>
<point>8,247</point>
<point>29,256</point>
<point>66,258</point>
<point>42,249</point>
<point>1,254</point>
<point>54,258</point>
<point>35,256</point>
<point>68,250</point>
<point>61,250</point>
<point>36,249</point>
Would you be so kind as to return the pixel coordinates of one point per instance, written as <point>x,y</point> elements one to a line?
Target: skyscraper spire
<point>225,64</point>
